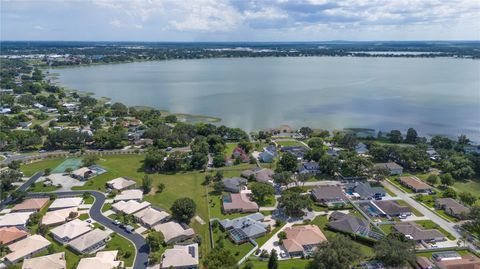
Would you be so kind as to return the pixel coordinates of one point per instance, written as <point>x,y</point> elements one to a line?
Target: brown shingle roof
<point>453,205</point>
<point>328,193</point>
<point>415,183</point>
<point>299,236</point>
<point>10,234</point>
<point>31,204</point>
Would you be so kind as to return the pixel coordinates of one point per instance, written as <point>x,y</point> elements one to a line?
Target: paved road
<point>22,187</point>
<point>141,246</point>
<point>448,226</point>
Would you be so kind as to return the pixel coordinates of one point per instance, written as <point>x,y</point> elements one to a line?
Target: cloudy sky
<point>240,20</point>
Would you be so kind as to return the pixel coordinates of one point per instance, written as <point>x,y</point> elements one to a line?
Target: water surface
<point>435,95</point>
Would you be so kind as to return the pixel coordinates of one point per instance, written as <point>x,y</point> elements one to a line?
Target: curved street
<point>142,250</point>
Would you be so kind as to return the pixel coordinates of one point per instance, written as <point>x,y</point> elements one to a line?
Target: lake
<point>432,95</point>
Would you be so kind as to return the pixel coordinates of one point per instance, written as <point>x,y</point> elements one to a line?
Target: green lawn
<point>83,217</point>
<point>39,187</point>
<point>289,143</point>
<point>429,201</point>
<point>31,168</point>
<point>126,248</point>
<point>391,193</point>
<point>387,228</point>
<point>414,210</point>
<point>89,200</point>
<point>215,203</point>
<point>286,264</point>
<point>222,239</point>
<point>394,181</point>
<point>106,207</point>
<point>229,149</point>
<point>471,186</point>
<point>428,224</point>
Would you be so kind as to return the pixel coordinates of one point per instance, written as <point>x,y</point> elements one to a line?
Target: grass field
<point>39,187</point>
<point>285,264</point>
<point>289,143</point>
<point>31,168</point>
<point>471,186</point>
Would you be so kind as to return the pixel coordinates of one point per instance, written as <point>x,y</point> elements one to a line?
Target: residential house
<point>351,224</point>
<point>432,153</point>
<point>467,261</point>
<point>24,124</point>
<point>62,203</point>
<point>65,233</point>
<point>424,263</point>
<point>127,195</point>
<point>452,207</point>
<point>57,217</point>
<point>121,183</point>
<point>364,191</point>
<point>26,248</point>
<point>415,184</point>
<point>331,196</point>
<point>9,235</point>
<point>245,228</point>
<point>263,175</point>
<point>31,205</point>
<point>309,168</point>
<point>239,153</point>
<point>83,173</point>
<point>238,202</point>
<point>297,151</point>
<point>53,261</point>
<point>391,208</point>
<point>18,220</point>
<point>102,260</point>
<point>90,241</point>
<point>302,240</point>
<point>129,207</point>
<point>332,151</point>
<point>150,217</point>
<point>417,233</point>
<point>180,256</point>
<point>174,232</point>
<point>393,168</point>
<point>234,184</point>
<point>268,154</point>
<point>361,148</point>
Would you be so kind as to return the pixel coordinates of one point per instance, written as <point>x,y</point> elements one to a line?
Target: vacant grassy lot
<point>31,168</point>
<point>471,186</point>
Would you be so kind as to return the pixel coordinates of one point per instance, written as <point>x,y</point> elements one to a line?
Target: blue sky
<point>239,20</point>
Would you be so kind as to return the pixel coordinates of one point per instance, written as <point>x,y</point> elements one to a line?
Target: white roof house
<point>26,248</point>
<point>18,219</point>
<point>150,216</point>
<point>65,203</point>
<point>180,257</point>
<point>53,261</point>
<point>130,207</point>
<point>70,230</point>
<point>103,260</point>
<point>174,232</point>
<point>90,241</point>
<point>121,183</point>
<point>58,216</point>
<point>127,195</point>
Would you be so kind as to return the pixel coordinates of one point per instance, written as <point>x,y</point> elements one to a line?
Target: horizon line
<point>238,41</point>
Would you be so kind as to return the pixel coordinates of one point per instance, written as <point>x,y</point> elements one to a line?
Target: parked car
<point>116,222</point>
<point>129,229</point>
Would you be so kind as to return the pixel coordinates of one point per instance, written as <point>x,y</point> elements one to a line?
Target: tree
<point>47,171</point>
<point>395,250</point>
<point>288,162</point>
<point>72,215</point>
<point>446,179</point>
<point>306,131</point>
<point>282,178</point>
<point>160,187</point>
<point>303,178</point>
<point>183,209</point>
<point>467,198</point>
<point>89,160</point>
<point>273,260</point>
<point>146,184</point>
<point>15,164</point>
<point>34,219</point>
<point>432,180</point>
<point>219,258</point>
<point>395,136</point>
<point>119,110</point>
<point>155,240</point>
<point>218,160</point>
<point>463,140</point>
<point>171,119</point>
<point>379,172</point>
<point>338,252</point>
<point>314,154</point>
<point>459,166</point>
<point>412,136</point>
<point>260,191</point>
<point>294,203</point>
<point>348,141</point>
<point>315,142</point>
<point>42,229</point>
<point>449,193</point>
<point>218,187</point>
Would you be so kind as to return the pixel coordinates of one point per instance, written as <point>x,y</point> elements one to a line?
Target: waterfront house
<point>331,196</point>
<point>361,148</point>
<point>239,153</point>
<point>302,240</point>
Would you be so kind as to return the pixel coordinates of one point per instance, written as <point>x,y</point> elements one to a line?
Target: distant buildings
<point>297,151</point>
<point>331,196</point>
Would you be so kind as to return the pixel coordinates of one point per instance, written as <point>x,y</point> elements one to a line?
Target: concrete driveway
<point>64,180</point>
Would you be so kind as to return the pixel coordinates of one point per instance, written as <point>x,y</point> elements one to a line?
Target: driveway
<point>272,243</point>
<point>64,180</point>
